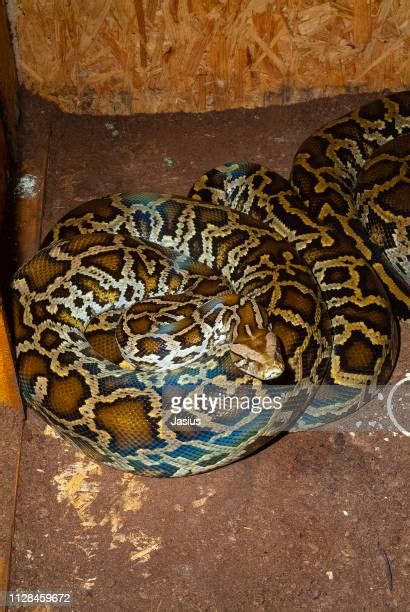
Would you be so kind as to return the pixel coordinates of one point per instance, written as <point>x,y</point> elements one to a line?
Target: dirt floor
<point>317,521</point>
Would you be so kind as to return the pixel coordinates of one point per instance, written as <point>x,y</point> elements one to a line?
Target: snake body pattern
<point>138,298</point>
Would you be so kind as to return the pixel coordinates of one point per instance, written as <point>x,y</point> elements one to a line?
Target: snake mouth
<point>259,356</point>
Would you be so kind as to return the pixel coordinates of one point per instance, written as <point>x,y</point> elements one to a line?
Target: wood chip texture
<point>150,56</point>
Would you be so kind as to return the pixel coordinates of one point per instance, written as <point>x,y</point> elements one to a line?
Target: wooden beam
<point>11,410</point>
<point>29,199</point>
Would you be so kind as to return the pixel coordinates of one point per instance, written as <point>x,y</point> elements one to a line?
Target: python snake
<point>250,285</point>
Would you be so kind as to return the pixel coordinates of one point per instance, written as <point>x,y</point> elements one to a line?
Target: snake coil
<point>248,285</point>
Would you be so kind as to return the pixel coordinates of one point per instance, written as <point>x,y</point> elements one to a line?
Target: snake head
<point>255,348</point>
<point>259,354</point>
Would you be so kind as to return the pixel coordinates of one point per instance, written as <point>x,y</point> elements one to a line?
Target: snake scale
<point>250,285</point>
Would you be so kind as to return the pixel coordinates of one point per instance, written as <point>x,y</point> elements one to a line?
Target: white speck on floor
<point>111,128</point>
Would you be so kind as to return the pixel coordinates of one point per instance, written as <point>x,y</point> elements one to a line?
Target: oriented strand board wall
<point>125,56</point>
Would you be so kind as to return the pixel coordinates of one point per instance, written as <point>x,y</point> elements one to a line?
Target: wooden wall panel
<point>125,56</point>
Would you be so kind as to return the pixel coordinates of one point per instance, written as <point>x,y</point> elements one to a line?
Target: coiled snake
<point>139,301</point>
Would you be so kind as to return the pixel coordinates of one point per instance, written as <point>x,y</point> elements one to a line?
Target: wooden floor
<point>301,525</point>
